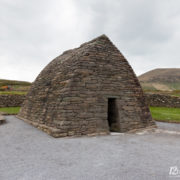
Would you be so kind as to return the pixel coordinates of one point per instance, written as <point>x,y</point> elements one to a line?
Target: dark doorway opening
<point>113,115</point>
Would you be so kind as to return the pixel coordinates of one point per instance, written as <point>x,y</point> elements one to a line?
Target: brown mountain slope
<point>167,79</point>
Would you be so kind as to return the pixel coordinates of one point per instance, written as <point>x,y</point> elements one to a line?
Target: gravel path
<point>168,126</point>
<point>27,153</point>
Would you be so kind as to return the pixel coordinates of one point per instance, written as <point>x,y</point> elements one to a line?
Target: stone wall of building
<point>70,96</point>
<point>159,100</point>
<point>11,100</point>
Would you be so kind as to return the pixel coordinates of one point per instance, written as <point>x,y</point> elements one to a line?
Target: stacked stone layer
<point>161,100</point>
<point>11,100</point>
<point>70,96</point>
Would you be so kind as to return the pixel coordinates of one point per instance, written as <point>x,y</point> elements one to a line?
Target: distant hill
<point>166,79</point>
<point>4,82</point>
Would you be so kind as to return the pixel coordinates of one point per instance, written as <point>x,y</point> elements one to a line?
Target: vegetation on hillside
<point>164,75</point>
<point>14,87</point>
<point>175,93</point>
<point>4,82</point>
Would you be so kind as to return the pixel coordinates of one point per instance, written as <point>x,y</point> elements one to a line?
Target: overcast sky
<point>34,32</point>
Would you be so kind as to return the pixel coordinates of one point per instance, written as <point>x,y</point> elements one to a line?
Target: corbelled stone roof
<point>70,96</point>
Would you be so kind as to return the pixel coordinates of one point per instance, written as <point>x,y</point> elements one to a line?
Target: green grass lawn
<point>158,113</point>
<point>165,114</point>
<point>13,92</point>
<point>10,110</point>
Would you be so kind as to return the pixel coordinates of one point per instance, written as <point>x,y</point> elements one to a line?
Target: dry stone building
<point>86,91</point>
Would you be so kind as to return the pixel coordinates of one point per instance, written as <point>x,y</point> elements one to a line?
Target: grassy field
<point>166,114</point>
<point>158,113</point>
<point>10,110</point>
<point>13,92</point>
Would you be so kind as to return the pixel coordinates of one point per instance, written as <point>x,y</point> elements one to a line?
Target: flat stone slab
<point>2,119</point>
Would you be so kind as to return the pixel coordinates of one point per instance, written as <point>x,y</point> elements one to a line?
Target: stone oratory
<point>90,90</point>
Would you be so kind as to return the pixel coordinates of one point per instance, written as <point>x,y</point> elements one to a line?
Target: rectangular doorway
<point>113,117</point>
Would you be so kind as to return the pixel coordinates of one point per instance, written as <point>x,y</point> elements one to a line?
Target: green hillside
<point>4,82</point>
<point>14,87</point>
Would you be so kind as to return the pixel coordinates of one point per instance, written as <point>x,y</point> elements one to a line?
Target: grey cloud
<point>132,23</point>
<point>34,32</point>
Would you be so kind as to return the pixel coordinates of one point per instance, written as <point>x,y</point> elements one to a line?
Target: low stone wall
<point>159,100</point>
<point>11,100</point>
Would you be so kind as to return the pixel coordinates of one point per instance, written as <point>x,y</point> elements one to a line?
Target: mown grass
<point>10,110</point>
<point>165,114</point>
<point>14,92</point>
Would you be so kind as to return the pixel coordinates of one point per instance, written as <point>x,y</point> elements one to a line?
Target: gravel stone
<point>27,153</point>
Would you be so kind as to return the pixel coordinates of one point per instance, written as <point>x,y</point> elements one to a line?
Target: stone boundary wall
<point>159,100</point>
<point>11,100</point>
